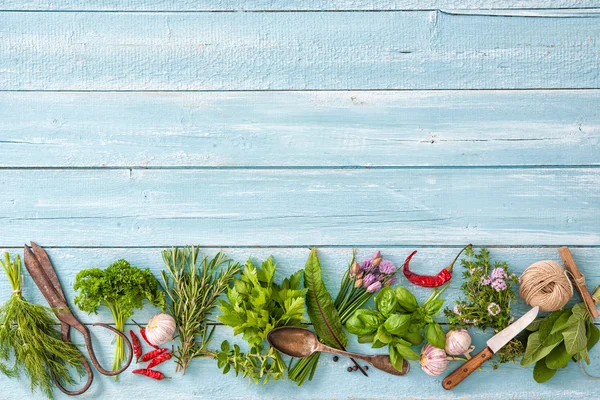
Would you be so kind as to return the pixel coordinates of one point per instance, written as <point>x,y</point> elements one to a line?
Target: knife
<point>493,345</point>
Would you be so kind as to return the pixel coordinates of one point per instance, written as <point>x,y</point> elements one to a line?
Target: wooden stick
<point>578,280</point>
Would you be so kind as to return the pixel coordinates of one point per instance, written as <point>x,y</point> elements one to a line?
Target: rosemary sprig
<point>193,289</point>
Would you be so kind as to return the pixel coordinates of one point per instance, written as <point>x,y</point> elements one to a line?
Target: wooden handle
<point>466,369</point>
<point>581,287</point>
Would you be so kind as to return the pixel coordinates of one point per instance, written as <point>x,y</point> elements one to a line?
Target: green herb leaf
<point>386,302</point>
<point>558,357</point>
<point>396,358</point>
<point>562,322</point>
<point>383,335</point>
<point>538,349</point>
<point>406,352</point>
<point>575,338</point>
<point>548,323</point>
<point>541,373</point>
<point>321,310</point>
<point>433,307</point>
<point>397,324</point>
<point>415,338</point>
<point>364,322</point>
<point>535,325</point>
<point>592,334</point>
<point>406,299</point>
<point>435,335</point>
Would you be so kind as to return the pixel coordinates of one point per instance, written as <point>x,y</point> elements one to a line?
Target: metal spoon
<point>301,343</point>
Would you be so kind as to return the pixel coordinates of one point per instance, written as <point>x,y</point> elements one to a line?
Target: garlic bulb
<point>160,329</point>
<point>433,360</point>
<point>458,342</point>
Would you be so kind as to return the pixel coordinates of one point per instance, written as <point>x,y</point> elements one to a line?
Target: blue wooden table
<point>270,126</point>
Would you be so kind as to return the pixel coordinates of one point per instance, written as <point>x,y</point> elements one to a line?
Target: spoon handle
<point>327,349</point>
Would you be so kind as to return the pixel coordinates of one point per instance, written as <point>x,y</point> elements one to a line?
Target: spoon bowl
<point>293,341</point>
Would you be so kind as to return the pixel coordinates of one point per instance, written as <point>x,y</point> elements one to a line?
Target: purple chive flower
<point>499,285</point>
<point>485,280</point>
<point>369,279</point>
<point>493,309</point>
<point>366,265</point>
<point>374,287</point>
<point>498,273</point>
<point>387,267</point>
<point>456,309</point>
<point>390,281</point>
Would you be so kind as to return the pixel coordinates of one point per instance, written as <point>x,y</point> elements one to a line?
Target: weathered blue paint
<point>300,129</point>
<point>317,149</point>
<point>287,5</point>
<point>297,51</point>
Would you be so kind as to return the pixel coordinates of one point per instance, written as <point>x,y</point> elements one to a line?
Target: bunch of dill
<point>29,339</point>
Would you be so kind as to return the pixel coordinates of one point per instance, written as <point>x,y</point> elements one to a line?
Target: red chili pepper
<point>430,281</point>
<point>159,376</point>
<point>137,346</point>
<point>143,333</point>
<point>152,354</point>
<point>159,359</point>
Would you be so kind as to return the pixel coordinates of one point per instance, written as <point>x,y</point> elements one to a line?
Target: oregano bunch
<point>488,294</point>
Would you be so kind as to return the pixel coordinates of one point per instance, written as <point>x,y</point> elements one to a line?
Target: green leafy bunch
<point>29,338</point>
<point>557,338</point>
<point>121,288</point>
<point>488,294</point>
<point>398,322</point>
<point>255,305</point>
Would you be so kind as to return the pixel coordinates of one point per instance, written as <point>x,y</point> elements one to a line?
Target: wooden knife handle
<point>466,369</point>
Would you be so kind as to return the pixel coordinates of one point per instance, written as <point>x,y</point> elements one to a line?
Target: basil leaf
<point>435,335</point>
<point>377,344</point>
<point>584,355</point>
<point>397,324</point>
<point>406,299</point>
<point>383,336</point>
<point>386,301</point>
<point>558,357</point>
<point>541,373</point>
<point>580,310</point>
<point>575,338</point>
<point>413,338</point>
<point>364,322</point>
<point>406,352</point>
<point>433,307</point>
<point>396,358</point>
<point>366,339</point>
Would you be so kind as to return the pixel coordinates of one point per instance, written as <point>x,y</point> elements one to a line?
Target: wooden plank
<point>288,5</point>
<point>69,261</point>
<point>301,207</point>
<point>205,379</point>
<point>296,51</point>
<point>266,129</point>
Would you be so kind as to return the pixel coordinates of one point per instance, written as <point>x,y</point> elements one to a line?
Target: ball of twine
<point>545,284</point>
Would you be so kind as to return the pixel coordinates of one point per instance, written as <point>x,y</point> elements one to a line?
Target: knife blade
<point>493,345</point>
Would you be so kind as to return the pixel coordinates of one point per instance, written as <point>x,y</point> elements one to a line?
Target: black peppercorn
<point>366,367</point>
<point>335,358</point>
<point>355,368</point>
<point>349,369</point>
